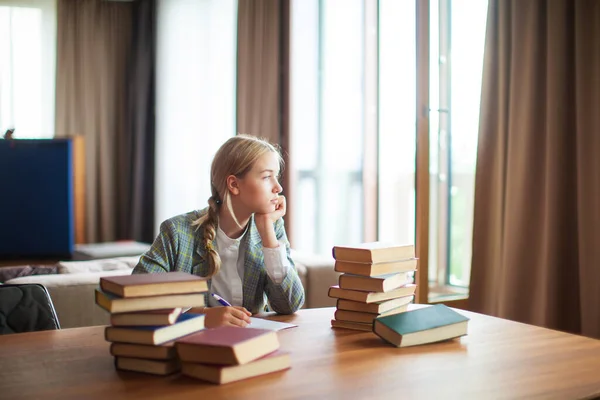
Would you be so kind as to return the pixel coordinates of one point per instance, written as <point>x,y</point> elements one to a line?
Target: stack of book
<point>147,315</point>
<point>377,280</point>
<point>229,354</point>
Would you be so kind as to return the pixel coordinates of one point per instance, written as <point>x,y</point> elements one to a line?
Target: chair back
<point>26,308</point>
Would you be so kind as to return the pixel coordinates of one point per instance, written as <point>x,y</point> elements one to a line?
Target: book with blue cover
<point>186,324</point>
<point>424,325</point>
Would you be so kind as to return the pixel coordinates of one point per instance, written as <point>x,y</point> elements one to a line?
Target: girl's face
<point>259,188</point>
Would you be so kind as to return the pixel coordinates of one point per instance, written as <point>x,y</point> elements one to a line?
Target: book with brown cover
<point>140,285</point>
<point>365,318</point>
<point>371,297</point>
<point>154,335</point>
<point>379,283</point>
<point>373,308</point>
<point>162,352</point>
<point>382,268</point>
<point>356,326</point>
<point>221,374</point>
<point>115,304</point>
<point>227,345</point>
<point>146,318</point>
<point>153,367</point>
<point>374,252</point>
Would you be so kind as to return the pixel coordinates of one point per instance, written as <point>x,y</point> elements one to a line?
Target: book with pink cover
<point>227,345</point>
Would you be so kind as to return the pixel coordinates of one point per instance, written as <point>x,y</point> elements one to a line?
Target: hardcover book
<point>162,352</point>
<point>382,268</point>
<point>153,367</point>
<point>424,325</point>
<point>227,345</point>
<point>115,304</point>
<point>374,252</point>
<point>147,318</point>
<point>371,297</point>
<point>140,285</point>
<point>155,335</point>
<point>373,308</point>
<point>379,283</point>
<point>221,374</point>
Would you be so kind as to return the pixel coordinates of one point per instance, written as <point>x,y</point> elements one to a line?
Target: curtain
<point>258,68</point>
<point>263,78</point>
<point>105,93</point>
<point>135,210</point>
<point>536,257</point>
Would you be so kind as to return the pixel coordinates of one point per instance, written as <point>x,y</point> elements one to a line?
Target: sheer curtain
<point>28,67</point>
<point>195,92</point>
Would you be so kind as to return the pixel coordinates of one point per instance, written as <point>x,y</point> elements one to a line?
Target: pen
<point>221,300</point>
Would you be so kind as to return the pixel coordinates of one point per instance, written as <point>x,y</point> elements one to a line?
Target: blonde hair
<point>235,157</point>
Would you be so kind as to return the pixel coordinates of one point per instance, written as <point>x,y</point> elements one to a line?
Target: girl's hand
<point>264,223</point>
<point>226,316</point>
<point>280,210</point>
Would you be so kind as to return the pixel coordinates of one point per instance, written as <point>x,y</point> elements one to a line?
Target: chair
<point>26,308</point>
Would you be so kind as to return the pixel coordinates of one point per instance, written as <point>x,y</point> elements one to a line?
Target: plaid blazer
<point>179,247</point>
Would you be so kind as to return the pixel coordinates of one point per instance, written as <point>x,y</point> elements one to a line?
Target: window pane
<point>341,123</point>
<point>27,70</point>
<point>397,123</point>
<point>327,101</point>
<point>194,115</point>
<point>468,22</point>
<point>457,35</point>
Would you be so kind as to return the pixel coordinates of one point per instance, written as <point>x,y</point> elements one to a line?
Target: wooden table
<point>498,359</point>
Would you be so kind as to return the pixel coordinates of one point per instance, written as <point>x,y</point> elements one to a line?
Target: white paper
<point>268,324</point>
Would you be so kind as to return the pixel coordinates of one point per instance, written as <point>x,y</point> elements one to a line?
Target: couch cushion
<point>57,280</point>
<point>7,273</point>
<point>107,264</point>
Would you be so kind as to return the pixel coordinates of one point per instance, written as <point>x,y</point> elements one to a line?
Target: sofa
<point>72,285</point>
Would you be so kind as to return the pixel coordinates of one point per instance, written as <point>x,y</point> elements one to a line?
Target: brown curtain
<point>105,93</point>
<point>536,233</point>
<point>263,77</point>
<point>258,68</point>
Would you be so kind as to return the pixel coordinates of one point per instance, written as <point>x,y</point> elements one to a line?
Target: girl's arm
<point>287,296</point>
<point>162,252</point>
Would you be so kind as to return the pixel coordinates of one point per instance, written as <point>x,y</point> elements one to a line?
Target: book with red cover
<point>227,345</point>
<point>142,285</point>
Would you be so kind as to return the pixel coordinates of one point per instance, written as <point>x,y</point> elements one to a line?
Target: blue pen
<point>221,300</point>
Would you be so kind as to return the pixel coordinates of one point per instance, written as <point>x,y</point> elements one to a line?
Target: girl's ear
<point>233,185</point>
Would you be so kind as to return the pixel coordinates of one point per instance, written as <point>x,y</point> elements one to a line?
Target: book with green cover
<point>424,325</point>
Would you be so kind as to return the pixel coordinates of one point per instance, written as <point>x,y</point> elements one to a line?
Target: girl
<point>238,241</point>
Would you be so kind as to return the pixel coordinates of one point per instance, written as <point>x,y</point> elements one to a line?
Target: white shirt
<point>228,282</point>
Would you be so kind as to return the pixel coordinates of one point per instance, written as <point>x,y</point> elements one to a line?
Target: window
<point>28,67</point>
<point>457,35</point>
<point>349,69</point>
<point>397,122</point>
<point>195,110</point>
<point>327,103</point>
